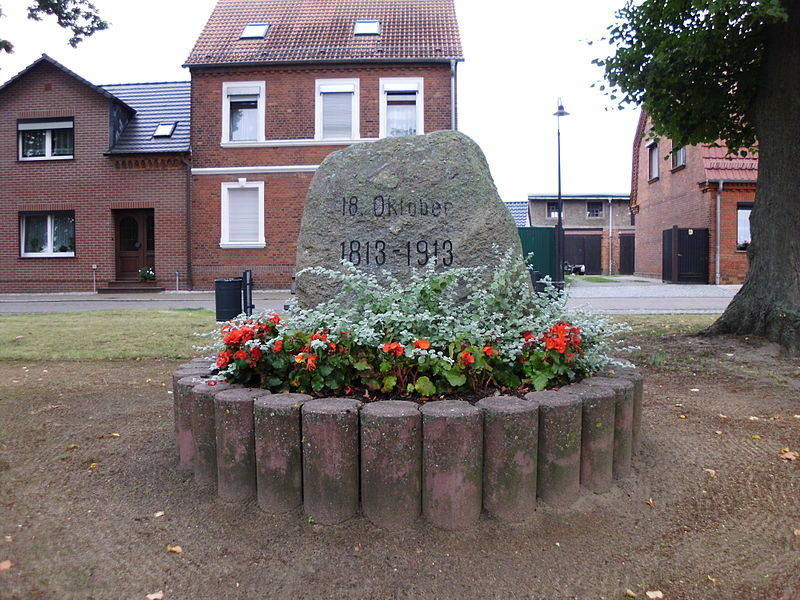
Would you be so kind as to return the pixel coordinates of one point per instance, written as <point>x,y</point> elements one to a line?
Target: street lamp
<point>559,274</point>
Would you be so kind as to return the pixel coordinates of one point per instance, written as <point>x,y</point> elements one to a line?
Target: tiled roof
<point>154,103</point>
<point>519,210</point>
<point>719,166</point>
<point>322,30</point>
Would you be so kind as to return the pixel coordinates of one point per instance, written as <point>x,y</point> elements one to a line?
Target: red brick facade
<point>91,185</point>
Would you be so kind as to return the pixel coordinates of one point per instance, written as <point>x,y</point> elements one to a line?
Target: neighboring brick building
<point>692,210</point>
<point>593,224</point>
<point>90,190</point>
<point>276,87</point>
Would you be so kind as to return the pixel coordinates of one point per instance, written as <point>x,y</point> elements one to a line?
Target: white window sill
<point>47,255</point>
<point>284,143</point>
<point>37,158</point>
<point>242,244</point>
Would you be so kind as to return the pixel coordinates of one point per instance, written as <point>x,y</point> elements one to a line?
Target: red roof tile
<point>719,166</point>
<point>322,30</point>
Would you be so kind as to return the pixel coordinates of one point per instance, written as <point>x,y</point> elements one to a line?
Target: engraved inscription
<point>388,207</point>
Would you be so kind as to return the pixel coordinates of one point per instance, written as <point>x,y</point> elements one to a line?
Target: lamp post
<point>559,274</point>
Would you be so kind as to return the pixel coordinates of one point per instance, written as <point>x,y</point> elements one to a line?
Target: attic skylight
<point>254,31</point>
<point>367,28</point>
<point>165,129</point>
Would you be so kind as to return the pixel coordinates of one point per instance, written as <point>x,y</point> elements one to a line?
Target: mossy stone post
<point>452,463</point>
<point>279,451</point>
<point>510,448</point>
<point>205,432</point>
<point>559,462</point>
<point>391,463</point>
<point>184,406</point>
<point>236,452</point>
<point>623,421</point>
<point>635,376</point>
<point>330,459</point>
<point>201,370</point>
<point>597,436</point>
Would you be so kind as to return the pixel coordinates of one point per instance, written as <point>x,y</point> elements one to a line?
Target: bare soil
<point>712,510</point>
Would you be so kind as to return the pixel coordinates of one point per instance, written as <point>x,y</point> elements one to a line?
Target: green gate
<point>541,242</point>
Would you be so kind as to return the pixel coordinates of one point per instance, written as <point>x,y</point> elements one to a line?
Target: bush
<point>422,337</point>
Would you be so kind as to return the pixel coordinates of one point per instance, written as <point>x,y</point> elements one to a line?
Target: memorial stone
<point>400,204</point>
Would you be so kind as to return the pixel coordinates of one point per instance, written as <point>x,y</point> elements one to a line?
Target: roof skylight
<point>254,31</point>
<point>165,129</point>
<point>367,28</point>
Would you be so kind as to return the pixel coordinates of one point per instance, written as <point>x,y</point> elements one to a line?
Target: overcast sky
<point>520,58</point>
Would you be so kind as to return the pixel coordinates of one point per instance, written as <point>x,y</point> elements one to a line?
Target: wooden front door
<point>135,245</point>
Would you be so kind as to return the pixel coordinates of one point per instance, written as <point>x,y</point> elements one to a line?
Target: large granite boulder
<point>398,204</point>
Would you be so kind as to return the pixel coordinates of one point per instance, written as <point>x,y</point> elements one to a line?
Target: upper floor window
<point>46,140</point>
<point>679,157</point>
<point>337,102</point>
<point>552,210</point>
<point>653,160</point>
<point>47,234</point>
<point>594,209</point>
<point>402,107</point>
<point>243,111</point>
<point>242,215</point>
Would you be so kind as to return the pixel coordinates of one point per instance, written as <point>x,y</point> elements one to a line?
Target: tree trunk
<point>769,302</point>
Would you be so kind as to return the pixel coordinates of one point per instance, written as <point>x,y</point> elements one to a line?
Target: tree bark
<point>768,303</point>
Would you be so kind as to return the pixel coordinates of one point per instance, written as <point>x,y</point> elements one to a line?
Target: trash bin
<point>228,298</point>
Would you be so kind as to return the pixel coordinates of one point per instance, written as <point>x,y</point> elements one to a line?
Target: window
<point>594,209</point>
<point>401,110</point>
<point>46,140</point>
<point>652,153</point>
<point>679,157</point>
<point>254,31</point>
<point>743,210</point>
<point>552,210</point>
<point>367,28</point>
<point>243,111</point>
<point>165,129</point>
<point>337,109</point>
<point>47,234</point>
<point>242,215</point>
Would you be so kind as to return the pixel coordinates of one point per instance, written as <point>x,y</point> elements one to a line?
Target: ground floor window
<point>242,215</point>
<point>47,234</point>
<point>743,238</point>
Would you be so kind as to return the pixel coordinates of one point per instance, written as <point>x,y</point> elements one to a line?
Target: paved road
<point>627,295</point>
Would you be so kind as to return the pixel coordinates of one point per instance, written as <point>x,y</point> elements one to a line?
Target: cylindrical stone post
<point>559,462</point>
<point>391,463</point>
<point>190,369</point>
<point>330,459</point>
<point>452,463</point>
<point>510,445</point>
<point>634,375</point>
<point>184,406</point>
<point>204,430</point>
<point>597,435</point>
<point>623,421</point>
<point>236,446</point>
<point>279,451</point>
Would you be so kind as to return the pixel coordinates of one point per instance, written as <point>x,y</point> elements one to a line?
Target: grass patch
<point>104,334</point>
<point>665,324</point>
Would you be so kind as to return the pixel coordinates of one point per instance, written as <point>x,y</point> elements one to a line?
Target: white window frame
<point>653,159</point>
<point>324,86</point>
<point>551,214</point>
<point>743,212</point>
<point>588,212</point>
<point>224,240</point>
<point>402,84</point>
<point>50,253</point>
<point>679,157</point>
<point>47,127</point>
<point>229,89</point>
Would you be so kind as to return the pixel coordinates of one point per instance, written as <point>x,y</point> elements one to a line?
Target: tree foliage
<point>78,16</point>
<point>693,65</point>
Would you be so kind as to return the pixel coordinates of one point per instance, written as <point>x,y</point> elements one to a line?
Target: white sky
<point>520,58</point>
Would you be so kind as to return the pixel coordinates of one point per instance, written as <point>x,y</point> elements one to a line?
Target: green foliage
<point>692,64</point>
<point>79,16</point>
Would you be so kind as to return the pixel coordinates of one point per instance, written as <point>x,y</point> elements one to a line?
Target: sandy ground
<point>712,510</point>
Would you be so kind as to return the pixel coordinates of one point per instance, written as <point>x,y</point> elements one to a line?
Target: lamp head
<point>560,112</point>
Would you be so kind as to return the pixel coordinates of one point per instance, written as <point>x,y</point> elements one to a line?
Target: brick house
<point>94,181</point>
<point>692,210</point>
<point>276,87</point>
<point>598,229</point>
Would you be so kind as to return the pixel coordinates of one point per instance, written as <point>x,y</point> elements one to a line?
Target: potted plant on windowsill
<point>147,275</point>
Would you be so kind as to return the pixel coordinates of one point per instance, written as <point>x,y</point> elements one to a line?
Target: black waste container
<point>228,297</point>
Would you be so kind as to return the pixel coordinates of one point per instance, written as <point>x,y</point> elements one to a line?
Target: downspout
<point>610,235</point>
<point>717,224</point>
<point>187,163</point>
<point>453,98</point>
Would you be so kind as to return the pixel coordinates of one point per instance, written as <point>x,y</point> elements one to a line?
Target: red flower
<point>467,358</point>
<point>240,355</point>
<point>274,319</point>
<point>311,364</point>
<point>488,350</point>
<point>527,336</point>
<point>300,358</point>
<point>223,358</point>
<point>320,336</point>
<point>422,344</point>
<point>277,346</point>
<point>255,353</point>
<point>393,348</point>
<point>212,383</point>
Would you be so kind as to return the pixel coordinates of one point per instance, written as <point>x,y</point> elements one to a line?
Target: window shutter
<point>243,225</point>
<point>337,115</point>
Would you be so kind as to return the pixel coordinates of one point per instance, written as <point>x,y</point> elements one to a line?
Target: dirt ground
<point>712,510</point>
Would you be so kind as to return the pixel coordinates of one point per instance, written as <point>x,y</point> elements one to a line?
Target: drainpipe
<point>610,234</point>
<point>453,98</point>
<point>187,163</point>
<point>718,244</point>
